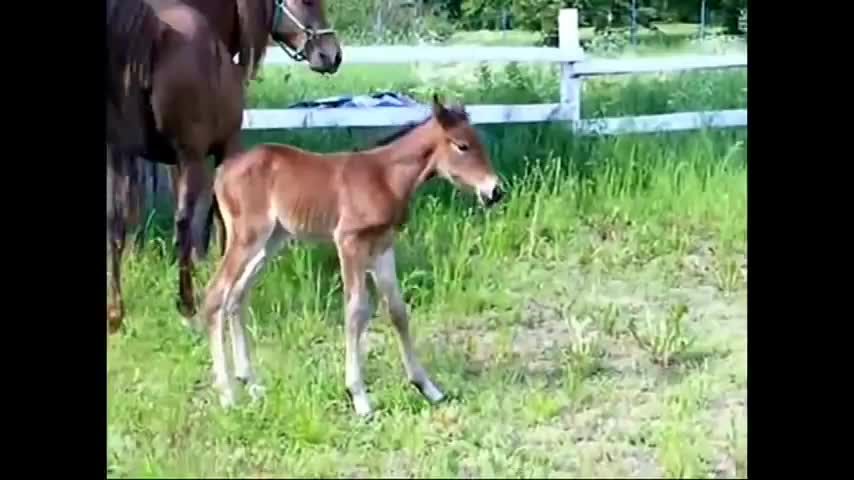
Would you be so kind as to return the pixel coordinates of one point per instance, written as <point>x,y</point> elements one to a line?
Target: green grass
<point>592,324</point>
<point>279,87</point>
<point>518,38</point>
<point>671,38</point>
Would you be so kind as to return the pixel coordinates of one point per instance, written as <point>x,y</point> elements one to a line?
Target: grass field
<point>594,324</point>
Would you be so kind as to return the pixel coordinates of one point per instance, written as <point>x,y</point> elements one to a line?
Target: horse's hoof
<point>257,392</point>
<point>114,318</point>
<point>362,406</point>
<point>188,311</point>
<point>226,400</point>
<point>429,391</point>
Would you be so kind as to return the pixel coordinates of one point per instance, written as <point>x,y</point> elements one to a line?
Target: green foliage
<point>541,15</point>
<point>483,13</point>
<point>389,21</point>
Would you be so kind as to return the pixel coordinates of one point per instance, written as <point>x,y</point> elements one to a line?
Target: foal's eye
<point>460,146</point>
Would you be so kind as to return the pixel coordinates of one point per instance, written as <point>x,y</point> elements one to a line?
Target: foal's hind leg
<point>385,278</point>
<point>226,291</point>
<point>353,255</point>
<point>236,307</point>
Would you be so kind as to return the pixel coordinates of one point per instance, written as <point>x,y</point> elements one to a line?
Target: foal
<point>274,193</point>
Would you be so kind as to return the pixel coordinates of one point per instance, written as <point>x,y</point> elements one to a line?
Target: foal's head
<point>459,155</point>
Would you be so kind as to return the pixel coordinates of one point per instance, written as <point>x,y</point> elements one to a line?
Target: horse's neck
<point>407,163</point>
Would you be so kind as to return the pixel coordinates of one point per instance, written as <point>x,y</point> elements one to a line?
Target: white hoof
<point>256,392</point>
<point>226,399</point>
<point>362,405</point>
<point>430,392</point>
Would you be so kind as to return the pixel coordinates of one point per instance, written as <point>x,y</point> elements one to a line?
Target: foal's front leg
<point>353,257</point>
<point>385,277</point>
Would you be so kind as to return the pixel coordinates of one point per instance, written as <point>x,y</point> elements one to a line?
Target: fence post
<point>570,85</point>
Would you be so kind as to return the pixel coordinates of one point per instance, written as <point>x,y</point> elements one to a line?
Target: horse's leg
<point>174,172</point>
<point>353,256</point>
<point>200,221</point>
<point>192,181</point>
<point>224,296</point>
<point>385,277</point>
<point>116,196</point>
<point>236,307</point>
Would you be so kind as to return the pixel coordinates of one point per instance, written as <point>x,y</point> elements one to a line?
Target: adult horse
<point>299,27</point>
<point>191,105</point>
<point>188,104</point>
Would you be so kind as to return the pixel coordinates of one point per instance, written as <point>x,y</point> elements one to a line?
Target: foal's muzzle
<point>490,197</point>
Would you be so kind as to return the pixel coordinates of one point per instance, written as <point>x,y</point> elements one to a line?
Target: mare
<point>192,108</point>
<point>276,193</point>
<point>299,27</point>
<point>189,106</point>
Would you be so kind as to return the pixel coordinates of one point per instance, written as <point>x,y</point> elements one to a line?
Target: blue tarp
<point>379,99</point>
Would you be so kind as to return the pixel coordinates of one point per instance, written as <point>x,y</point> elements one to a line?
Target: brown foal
<point>274,193</point>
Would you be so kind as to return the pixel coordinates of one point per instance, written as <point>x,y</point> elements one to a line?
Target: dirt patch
<point>622,416</point>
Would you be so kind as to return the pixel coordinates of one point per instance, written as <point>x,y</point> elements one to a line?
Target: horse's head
<point>460,156</point>
<point>301,25</point>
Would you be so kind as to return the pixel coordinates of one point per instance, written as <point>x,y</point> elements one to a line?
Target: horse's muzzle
<point>325,55</point>
<point>491,197</point>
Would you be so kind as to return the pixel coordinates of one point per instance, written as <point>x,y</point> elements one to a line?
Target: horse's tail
<point>132,32</point>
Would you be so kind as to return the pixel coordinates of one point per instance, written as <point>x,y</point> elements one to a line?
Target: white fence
<point>574,68</point>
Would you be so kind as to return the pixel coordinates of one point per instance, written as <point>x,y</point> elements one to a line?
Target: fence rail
<point>574,68</point>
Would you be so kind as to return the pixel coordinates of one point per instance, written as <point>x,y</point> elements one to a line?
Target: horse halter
<point>281,7</point>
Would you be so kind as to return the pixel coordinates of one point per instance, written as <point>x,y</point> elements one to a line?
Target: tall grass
<point>656,196</point>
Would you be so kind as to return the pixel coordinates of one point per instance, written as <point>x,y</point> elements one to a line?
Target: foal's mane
<point>254,21</point>
<point>450,116</point>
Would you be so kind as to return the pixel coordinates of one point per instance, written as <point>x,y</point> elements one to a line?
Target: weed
<point>728,274</point>
<point>584,357</point>
<point>608,317</point>
<point>665,338</point>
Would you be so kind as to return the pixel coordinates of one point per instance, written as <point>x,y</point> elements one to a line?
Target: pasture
<point>593,324</point>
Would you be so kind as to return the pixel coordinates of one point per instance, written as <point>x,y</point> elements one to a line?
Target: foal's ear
<point>446,118</point>
<point>459,108</point>
<point>438,108</point>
